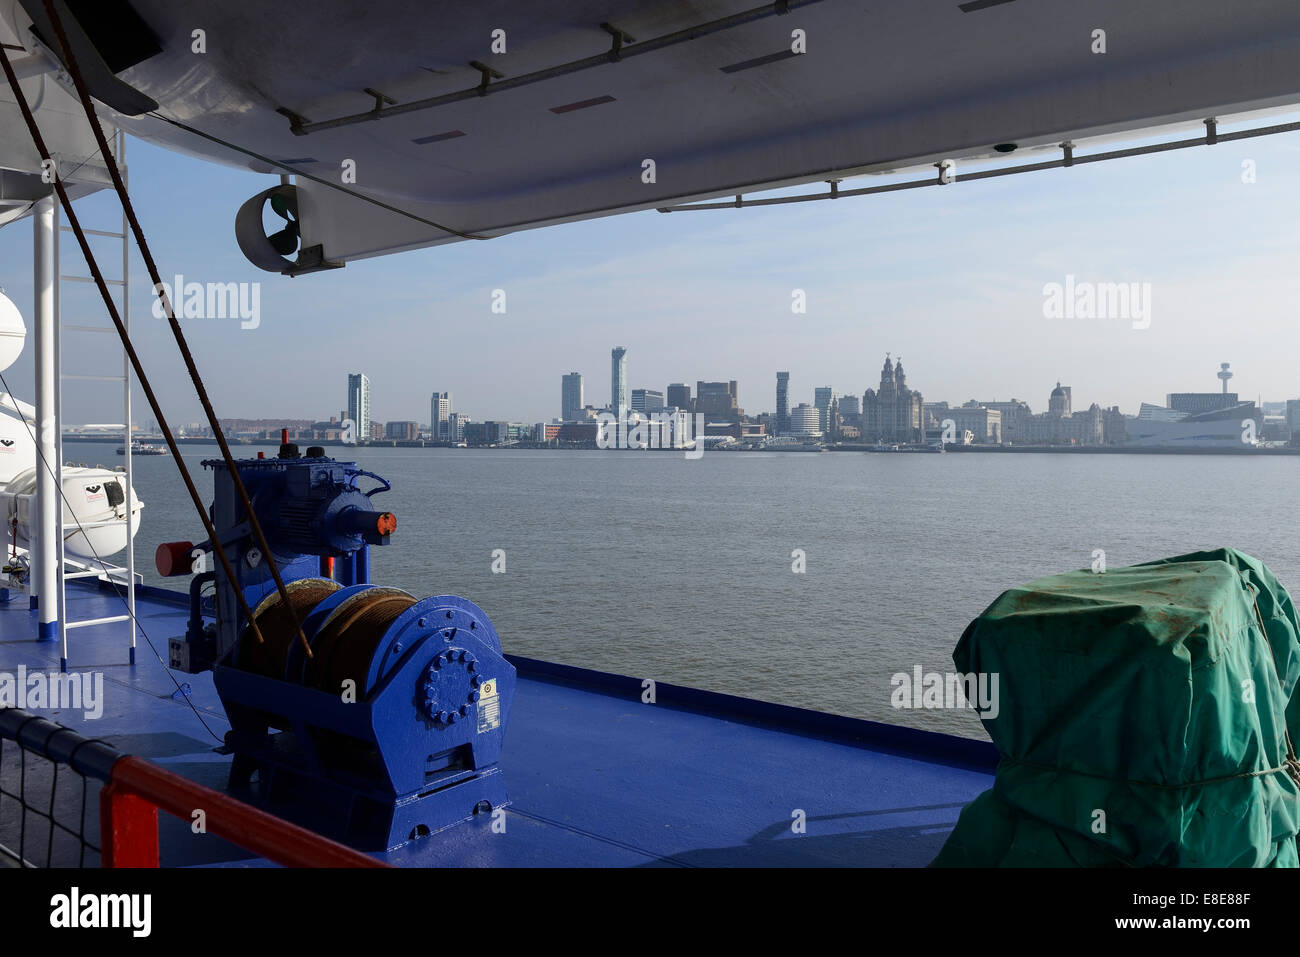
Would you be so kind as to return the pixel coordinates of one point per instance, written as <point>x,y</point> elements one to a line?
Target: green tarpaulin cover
<point>1142,719</point>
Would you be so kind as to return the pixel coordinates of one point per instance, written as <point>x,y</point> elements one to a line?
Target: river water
<point>652,565</point>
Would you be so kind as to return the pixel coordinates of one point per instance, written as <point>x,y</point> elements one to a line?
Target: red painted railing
<point>137,790</point>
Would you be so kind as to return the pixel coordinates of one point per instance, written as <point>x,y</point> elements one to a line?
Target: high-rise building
<point>782,403</point>
<point>570,396</point>
<point>895,413</point>
<point>717,401</point>
<point>618,396</point>
<point>359,405</point>
<point>439,411</point>
<point>804,420</point>
<point>679,397</point>
<point>823,399</point>
<point>647,400</point>
<point>456,423</point>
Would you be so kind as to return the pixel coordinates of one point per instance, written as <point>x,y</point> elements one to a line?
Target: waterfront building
<point>1114,426</point>
<point>618,394</point>
<point>359,404</point>
<point>823,398</point>
<point>402,431</point>
<point>782,403</point>
<point>570,396</point>
<point>1194,403</point>
<point>1219,429</point>
<point>1061,425</point>
<point>1275,429</point>
<point>894,413</point>
<point>834,425</point>
<point>679,397</point>
<point>1293,419</point>
<point>455,431</point>
<point>805,421</point>
<point>583,431</point>
<point>1159,413</point>
<point>1015,419</point>
<point>647,400</point>
<point>850,410</point>
<point>984,424</point>
<point>497,433</point>
<point>718,401</point>
<point>439,410</point>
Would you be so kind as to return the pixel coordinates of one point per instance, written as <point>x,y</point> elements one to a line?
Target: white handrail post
<point>61,606</point>
<point>45,550</point>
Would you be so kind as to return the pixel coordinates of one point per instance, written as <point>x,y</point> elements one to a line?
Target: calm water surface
<point>658,567</point>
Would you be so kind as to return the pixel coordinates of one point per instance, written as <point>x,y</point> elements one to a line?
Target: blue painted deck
<point>596,777</point>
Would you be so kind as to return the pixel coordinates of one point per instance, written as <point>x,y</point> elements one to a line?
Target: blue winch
<point>392,727</point>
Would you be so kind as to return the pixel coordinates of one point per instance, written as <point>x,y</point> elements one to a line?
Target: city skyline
<point>954,279</point>
<point>821,396</point>
<point>892,413</point>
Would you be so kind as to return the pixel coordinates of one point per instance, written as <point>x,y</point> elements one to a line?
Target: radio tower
<point>1224,375</point>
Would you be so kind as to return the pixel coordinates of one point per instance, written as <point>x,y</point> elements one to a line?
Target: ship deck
<point>595,777</point>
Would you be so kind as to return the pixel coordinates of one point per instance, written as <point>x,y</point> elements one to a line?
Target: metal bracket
<point>488,75</point>
<point>1211,131</point>
<point>380,99</point>
<point>620,37</point>
<point>296,121</point>
<point>1068,148</point>
<point>835,188</point>
<point>782,7</point>
<point>310,259</point>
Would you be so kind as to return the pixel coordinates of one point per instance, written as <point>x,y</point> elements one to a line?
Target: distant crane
<point>1224,375</point>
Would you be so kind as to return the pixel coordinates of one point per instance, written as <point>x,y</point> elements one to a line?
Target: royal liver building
<point>894,414</point>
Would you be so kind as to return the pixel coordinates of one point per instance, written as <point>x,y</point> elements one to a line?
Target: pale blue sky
<point>949,278</point>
